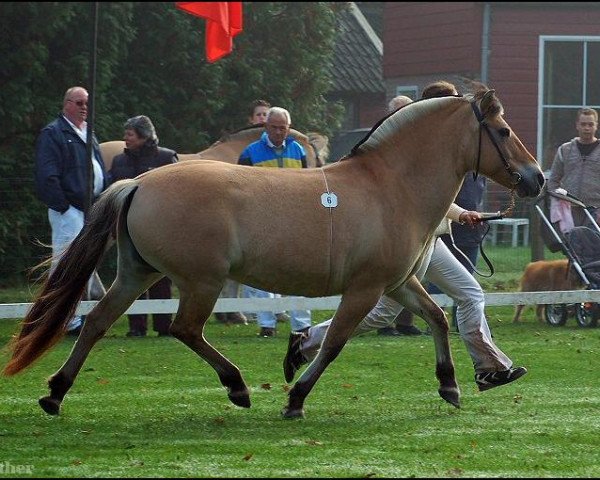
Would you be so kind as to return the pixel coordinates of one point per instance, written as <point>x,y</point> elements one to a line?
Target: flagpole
<point>91,109</point>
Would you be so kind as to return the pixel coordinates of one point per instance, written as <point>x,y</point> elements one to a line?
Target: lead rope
<point>330,232</point>
<point>507,212</point>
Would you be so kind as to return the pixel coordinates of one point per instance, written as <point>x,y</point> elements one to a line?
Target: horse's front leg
<point>194,309</point>
<point>414,297</point>
<point>353,308</point>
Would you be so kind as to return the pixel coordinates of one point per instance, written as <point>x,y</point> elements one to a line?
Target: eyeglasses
<point>79,103</point>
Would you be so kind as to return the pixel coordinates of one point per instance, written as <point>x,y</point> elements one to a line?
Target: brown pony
<point>229,147</point>
<point>357,227</point>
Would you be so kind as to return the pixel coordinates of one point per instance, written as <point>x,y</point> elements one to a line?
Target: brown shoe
<point>266,332</point>
<point>237,317</point>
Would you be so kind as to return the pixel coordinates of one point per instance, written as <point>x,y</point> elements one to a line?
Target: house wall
<point>514,52</point>
<point>424,42</point>
<point>430,38</point>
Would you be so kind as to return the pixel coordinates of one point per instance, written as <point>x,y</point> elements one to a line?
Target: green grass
<point>150,408</point>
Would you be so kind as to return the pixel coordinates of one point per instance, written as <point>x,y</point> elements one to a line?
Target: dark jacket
<point>132,163</point>
<point>61,166</point>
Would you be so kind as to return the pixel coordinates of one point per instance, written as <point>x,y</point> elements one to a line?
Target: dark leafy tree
<point>150,60</point>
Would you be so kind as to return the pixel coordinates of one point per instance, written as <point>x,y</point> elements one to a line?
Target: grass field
<point>150,408</point>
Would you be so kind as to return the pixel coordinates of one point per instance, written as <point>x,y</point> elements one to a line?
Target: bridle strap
<point>517,178</point>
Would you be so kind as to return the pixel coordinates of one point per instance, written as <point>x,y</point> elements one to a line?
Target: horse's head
<point>500,154</point>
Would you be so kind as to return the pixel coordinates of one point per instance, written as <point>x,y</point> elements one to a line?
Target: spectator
<point>61,176</point>
<point>276,149</point>
<point>257,114</point>
<point>576,166</point>
<point>142,154</point>
<point>397,102</point>
<point>492,367</point>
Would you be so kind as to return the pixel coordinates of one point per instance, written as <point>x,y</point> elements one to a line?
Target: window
<point>408,91</point>
<point>569,79</point>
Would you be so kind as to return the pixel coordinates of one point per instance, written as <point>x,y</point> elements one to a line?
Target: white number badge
<point>329,200</point>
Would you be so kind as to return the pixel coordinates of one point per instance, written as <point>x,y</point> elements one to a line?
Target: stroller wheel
<point>556,315</point>
<point>586,314</point>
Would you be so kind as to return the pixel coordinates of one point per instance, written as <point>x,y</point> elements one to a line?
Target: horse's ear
<point>488,99</point>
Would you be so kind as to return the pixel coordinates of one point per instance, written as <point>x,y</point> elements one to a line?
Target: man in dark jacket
<point>141,154</point>
<point>61,177</point>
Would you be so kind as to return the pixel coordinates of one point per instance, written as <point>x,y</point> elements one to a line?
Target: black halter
<point>516,176</point>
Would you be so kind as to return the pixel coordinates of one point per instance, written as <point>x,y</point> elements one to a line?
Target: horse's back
<point>229,148</point>
<point>109,150</point>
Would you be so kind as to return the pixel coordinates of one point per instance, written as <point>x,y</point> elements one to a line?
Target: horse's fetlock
<point>59,385</point>
<point>445,374</point>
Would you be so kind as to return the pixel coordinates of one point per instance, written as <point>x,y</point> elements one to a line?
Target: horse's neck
<point>409,173</point>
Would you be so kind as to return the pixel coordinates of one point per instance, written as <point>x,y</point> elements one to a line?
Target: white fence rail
<point>18,310</point>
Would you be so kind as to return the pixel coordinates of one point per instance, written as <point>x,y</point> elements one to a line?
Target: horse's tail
<point>55,304</point>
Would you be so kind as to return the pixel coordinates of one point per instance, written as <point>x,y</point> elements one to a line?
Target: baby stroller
<point>581,246</point>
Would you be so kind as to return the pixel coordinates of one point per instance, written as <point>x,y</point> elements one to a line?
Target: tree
<point>150,61</point>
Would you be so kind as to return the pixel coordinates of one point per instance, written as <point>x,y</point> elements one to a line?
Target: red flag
<point>223,22</point>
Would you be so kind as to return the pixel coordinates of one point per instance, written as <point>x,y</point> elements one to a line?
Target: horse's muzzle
<point>531,183</point>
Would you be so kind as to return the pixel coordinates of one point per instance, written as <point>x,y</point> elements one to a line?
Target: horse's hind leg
<point>195,306</point>
<point>414,297</point>
<point>349,314</point>
<point>119,297</point>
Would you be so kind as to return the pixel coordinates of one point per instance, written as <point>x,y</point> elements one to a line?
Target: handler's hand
<point>470,218</point>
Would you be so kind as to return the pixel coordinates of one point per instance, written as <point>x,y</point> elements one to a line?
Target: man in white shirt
<point>61,175</point>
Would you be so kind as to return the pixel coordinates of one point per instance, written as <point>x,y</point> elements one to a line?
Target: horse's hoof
<point>452,396</point>
<point>288,412</point>
<point>50,405</point>
<point>241,400</point>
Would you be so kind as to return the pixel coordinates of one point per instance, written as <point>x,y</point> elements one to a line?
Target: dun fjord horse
<point>357,228</point>
<point>229,147</point>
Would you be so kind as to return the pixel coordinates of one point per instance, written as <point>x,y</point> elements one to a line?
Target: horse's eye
<point>504,132</point>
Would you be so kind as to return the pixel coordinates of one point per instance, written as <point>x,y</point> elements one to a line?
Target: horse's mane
<point>394,121</point>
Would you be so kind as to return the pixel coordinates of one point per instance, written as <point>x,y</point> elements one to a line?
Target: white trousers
<point>65,227</point>
<point>441,267</point>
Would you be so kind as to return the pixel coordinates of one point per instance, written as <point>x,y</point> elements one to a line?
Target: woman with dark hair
<point>141,154</point>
